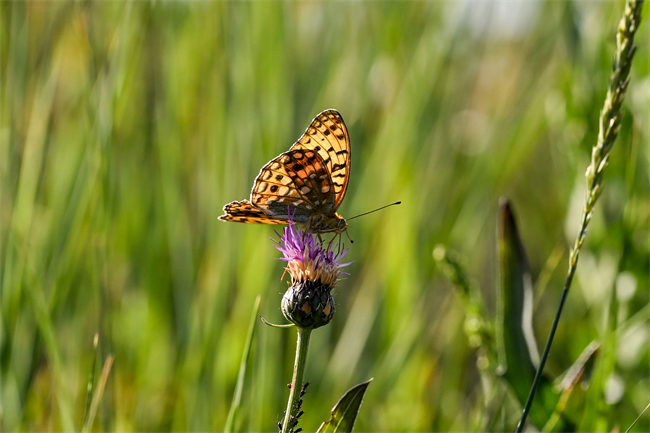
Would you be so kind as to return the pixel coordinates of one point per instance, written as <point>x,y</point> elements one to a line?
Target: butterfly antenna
<point>383,207</point>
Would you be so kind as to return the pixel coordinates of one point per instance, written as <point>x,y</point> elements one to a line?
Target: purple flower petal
<point>306,257</point>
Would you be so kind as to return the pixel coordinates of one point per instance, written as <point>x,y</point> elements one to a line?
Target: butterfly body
<point>307,182</point>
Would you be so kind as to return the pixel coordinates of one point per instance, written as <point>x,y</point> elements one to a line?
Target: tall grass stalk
<point>98,393</point>
<point>239,389</point>
<point>610,123</point>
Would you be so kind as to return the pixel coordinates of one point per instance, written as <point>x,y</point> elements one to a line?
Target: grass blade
<point>570,407</point>
<point>90,387</point>
<point>99,391</point>
<point>236,399</point>
<point>637,418</point>
<point>518,353</point>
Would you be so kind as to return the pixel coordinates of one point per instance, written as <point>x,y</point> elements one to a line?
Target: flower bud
<point>308,304</point>
<point>314,272</point>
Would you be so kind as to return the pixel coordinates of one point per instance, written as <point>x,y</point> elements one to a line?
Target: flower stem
<point>610,123</point>
<point>302,345</point>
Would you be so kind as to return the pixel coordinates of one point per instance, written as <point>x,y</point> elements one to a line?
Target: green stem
<point>302,345</point>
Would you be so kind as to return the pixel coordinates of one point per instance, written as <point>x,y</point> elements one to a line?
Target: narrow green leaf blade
<point>517,351</point>
<point>236,399</point>
<point>345,412</point>
<point>518,354</point>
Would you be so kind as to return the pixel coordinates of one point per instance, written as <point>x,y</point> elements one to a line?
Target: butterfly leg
<point>332,241</point>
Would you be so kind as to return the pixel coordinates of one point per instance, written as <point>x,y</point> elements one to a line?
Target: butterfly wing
<point>244,212</point>
<point>297,181</point>
<point>329,136</point>
<point>309,181</point>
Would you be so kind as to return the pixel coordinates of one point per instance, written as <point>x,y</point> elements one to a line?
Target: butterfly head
<point>341,224</point>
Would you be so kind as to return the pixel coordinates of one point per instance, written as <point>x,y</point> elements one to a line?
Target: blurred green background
<point>126,126</point>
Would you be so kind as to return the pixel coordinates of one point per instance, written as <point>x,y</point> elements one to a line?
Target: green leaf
<point>518,354</point>
<point>517,347</point>
<point>345,412</point>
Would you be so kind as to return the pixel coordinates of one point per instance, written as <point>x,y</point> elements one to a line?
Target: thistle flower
<point>314,272</point>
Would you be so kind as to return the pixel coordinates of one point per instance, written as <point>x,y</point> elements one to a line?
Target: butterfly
<point>308,182</point>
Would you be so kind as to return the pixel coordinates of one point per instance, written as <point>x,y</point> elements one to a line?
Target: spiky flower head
<point>314,272</point>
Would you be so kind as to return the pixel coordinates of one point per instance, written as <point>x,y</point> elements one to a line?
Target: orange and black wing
<point>295,182</point>
<point>244,212</point>
<point>310,179</point>
<point>329,136</point>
